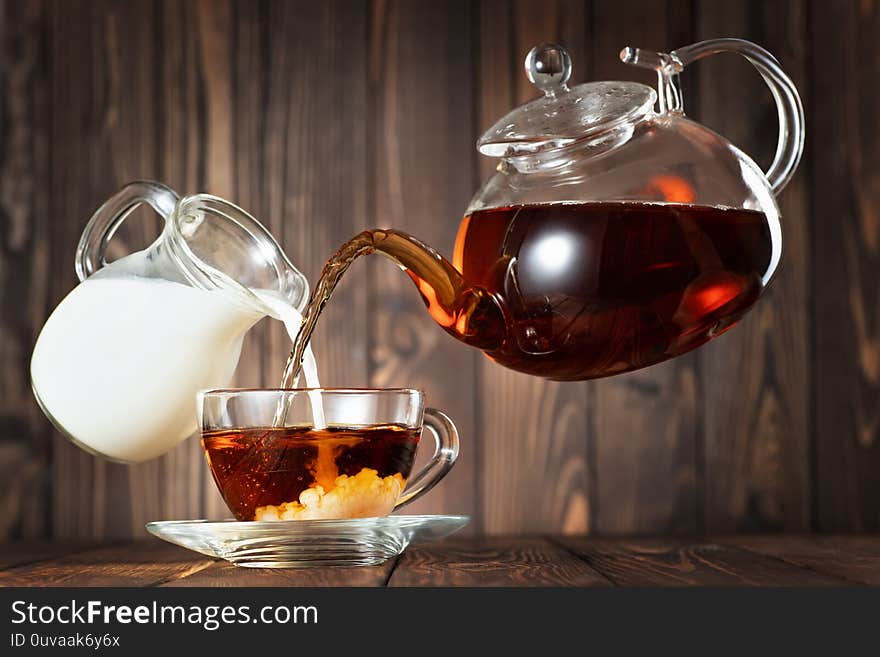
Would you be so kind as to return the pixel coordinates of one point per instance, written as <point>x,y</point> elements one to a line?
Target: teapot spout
<point>468,313</point>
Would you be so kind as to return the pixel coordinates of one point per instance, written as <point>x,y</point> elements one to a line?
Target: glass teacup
<point>339,453</point>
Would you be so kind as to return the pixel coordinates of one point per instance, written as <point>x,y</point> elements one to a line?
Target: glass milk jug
<point>119,362</point>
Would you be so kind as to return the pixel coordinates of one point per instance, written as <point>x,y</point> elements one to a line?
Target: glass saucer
<point>305,543</point>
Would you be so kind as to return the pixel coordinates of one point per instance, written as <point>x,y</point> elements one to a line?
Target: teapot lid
<point>563,116</point>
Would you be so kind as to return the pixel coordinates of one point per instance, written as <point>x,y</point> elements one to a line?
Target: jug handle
<point>92,249</point>
<point>790,146</point>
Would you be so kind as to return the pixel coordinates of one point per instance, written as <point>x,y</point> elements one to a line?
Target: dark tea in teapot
<point>576,291</point>
<point>593,289</point>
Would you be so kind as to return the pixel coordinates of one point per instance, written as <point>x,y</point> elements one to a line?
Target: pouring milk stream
<point>119,363</point>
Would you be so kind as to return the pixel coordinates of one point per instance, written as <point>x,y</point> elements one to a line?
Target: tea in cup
<point>336,453</point>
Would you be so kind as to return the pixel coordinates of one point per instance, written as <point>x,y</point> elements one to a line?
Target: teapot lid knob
<point>548,67</point>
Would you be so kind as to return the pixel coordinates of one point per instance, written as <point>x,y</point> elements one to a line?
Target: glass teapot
<point>614,234</point>
<point>118,364</point>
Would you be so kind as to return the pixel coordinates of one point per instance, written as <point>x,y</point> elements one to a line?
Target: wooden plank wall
<point>327,118</point>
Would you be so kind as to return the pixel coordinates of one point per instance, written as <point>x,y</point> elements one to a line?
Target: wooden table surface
<point>789,560</point>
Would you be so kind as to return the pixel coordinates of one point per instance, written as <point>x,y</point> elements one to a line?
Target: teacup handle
<point>445,452</point>
<point>92,250</point>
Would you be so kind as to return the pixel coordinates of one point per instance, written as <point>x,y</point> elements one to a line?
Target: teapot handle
<point>92,249</point>
<point>790,147</point>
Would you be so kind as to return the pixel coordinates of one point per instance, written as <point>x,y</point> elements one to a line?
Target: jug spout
<point>467,312</point>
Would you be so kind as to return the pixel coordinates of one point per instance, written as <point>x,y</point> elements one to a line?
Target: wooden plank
<point>18,553</point>
<point>101,75</point>
<point>493,561</point>
<point>844,147</point>
<point>223,574</point>
<point>310,182</point>
<point>670,562</point>
<point>422,176</point>
<point>299,153</point>
<point>854,558</point>
<point>534,467</point>
<point>647,425</point>
<point>24,257</point>
<point>142,563</point>
<point>756,560</point>
<point>755,380</point>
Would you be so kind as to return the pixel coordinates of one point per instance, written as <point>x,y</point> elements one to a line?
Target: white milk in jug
<point>120,361</point>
